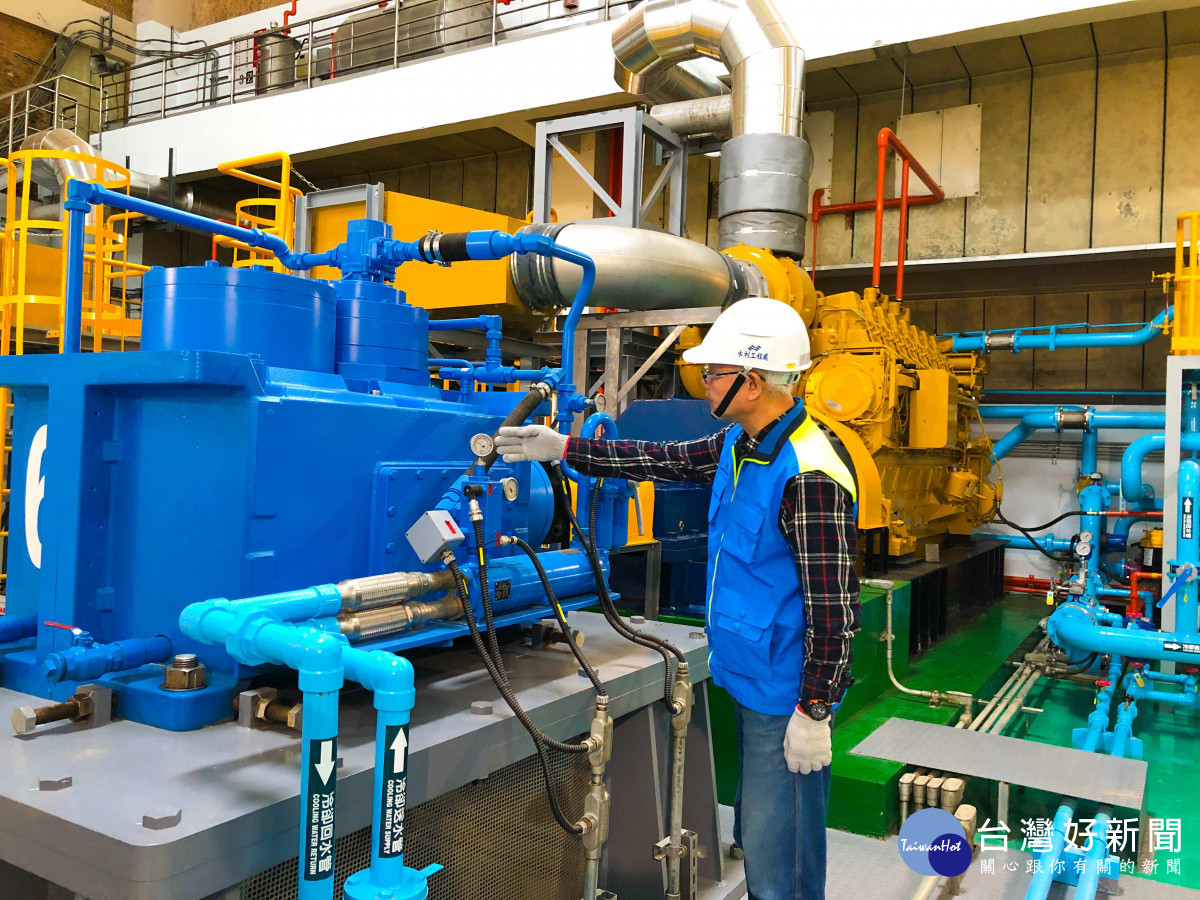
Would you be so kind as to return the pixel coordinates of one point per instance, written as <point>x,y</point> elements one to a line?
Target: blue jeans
<point>779,818</point>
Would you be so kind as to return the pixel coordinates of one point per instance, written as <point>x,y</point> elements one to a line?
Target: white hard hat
<point>758,333</point>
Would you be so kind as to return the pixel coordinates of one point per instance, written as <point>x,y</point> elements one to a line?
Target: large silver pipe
<point>148,187</point>
<point>766,164</point>
<point>635,269</point>
<point>706,115</point>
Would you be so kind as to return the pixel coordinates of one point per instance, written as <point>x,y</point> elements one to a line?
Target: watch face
<point>818,710</point>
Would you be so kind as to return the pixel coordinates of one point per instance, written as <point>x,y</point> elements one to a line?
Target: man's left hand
<point>808,745</point>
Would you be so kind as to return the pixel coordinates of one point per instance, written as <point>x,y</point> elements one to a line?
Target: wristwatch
<point>818,710</point>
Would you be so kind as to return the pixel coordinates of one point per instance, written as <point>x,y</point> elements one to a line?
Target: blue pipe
<point>480,323</point>
<point>390,678</point>
<point>1073,627</point>
<point>574,402</point>
<point>17,628</point>
<point>1020,410</point>
<point>85,663</point>
<point>1043,878</point>
<point>1132,487</point>
<point>1048,418</point>
<point>77,212</point>
<point>1023,340</point>
<point>1090,460</point>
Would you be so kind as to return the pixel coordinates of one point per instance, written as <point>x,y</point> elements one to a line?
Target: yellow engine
<point>901,406</point>
<point>908,405</point>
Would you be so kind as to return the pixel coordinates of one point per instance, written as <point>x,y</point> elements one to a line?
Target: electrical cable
<point>584,664</point>
<point>1078,668</point>
<point>510,698</point>
<point>1032,539</point>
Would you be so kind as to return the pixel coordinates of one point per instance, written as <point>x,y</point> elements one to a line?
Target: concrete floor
<point>862,867</point>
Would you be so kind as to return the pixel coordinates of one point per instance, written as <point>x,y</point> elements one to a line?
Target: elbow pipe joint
<point>388,676</point>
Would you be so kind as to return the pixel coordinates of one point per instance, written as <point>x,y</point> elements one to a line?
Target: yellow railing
<point>274,215</point>
<point>1185,337</point>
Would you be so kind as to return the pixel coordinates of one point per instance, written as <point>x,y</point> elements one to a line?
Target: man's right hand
<point>533,443</point>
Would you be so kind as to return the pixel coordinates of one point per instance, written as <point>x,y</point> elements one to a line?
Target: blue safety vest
<point>755,599</point>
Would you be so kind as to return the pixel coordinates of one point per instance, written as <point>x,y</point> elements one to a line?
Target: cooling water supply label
<point>322,764</point>
<point>1185,521</point>
<point>391,810</point>
<point>932,842</point>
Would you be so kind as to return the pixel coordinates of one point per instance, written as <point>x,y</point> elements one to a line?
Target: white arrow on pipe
<point>327,764</point>
<point>399,745</point>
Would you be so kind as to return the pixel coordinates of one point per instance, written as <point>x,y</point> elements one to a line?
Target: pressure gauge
<point>482,445</point>
<point>1085,537</point>
<point>600,402</point>
<point>1083,548</point>
<point>511,488</point>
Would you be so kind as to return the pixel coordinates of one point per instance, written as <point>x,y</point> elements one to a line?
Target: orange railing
<point>887,139</point>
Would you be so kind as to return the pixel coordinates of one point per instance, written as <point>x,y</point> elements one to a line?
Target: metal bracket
<point>249,703</point>
<point>691,850</point>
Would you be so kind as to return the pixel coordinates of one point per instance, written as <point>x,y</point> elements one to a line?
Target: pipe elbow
<point>316,656</point>
<point>389,676</point>
<point>194,618</point>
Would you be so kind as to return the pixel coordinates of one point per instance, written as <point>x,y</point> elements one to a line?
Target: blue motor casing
<point>286,321</point>
<point>379,336</point>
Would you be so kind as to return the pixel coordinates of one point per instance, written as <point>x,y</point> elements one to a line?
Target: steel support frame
<point>616,363</point>
<point>670,150</point>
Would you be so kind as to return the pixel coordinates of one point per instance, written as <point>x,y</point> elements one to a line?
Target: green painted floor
<point>863,795</point>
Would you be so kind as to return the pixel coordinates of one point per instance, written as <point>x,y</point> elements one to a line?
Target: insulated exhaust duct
<point>636,269</point>
<point>766,163</point>
<point>148,187</point>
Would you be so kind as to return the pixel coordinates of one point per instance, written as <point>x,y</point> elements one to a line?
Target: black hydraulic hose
<point>613,617</point>
<point>662,642</point>
<point>485,590</point>
<point>523,410</point>
<point>1076,669</point>
<point>584,664</point>
<point>1028,533</point>
<point>540,740</point>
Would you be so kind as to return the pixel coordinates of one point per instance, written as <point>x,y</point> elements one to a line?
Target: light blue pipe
<point>1043,878</point>
<point>1047,542</point>
<point>17,628</point>
<point>1090,458</point>
<point>1020,410</point>
<point>88,662</point>
<point>1048,418</point>
<point>1075,628</point>
<point>1053,340</point>
<point>571,402</point>
<point>390,678</point>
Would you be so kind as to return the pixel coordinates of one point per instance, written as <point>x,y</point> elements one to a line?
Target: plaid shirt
<point>816,518</point>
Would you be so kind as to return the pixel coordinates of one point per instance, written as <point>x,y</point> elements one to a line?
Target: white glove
<point>535,443</point>
<point>808,745</point>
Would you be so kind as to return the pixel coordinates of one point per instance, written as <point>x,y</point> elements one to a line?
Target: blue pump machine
<point>274,433</point>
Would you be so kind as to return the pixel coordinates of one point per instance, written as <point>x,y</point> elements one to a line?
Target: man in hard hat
<point>783,597</point>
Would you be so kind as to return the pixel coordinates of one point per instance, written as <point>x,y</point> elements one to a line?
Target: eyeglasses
<point>708,376</point>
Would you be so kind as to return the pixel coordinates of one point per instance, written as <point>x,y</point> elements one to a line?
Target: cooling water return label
<point>1185,524</point>
<point>395,785</point>
<point>322,763</point>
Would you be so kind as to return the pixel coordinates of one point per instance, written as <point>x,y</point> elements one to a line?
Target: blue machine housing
<point>273,434</point>
<point>680,509</point>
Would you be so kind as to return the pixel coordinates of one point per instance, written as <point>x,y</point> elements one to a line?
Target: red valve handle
<point>59,625</point>
<point>1103,684</point>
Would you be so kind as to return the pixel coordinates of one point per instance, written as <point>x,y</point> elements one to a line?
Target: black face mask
<point>729,395</point>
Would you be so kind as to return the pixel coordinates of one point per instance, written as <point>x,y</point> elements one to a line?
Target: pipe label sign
<point>395,784</point>
<point>1185,523</point>
<point>1180,647</point>
<point>318,845</point>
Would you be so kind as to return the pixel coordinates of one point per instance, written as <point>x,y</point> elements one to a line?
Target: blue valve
<point>1185,574</point>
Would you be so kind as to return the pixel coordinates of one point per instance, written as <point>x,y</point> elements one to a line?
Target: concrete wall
<point>1086,153</point>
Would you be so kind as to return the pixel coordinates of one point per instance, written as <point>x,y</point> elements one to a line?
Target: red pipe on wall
<point>887,138</point>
